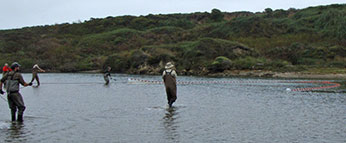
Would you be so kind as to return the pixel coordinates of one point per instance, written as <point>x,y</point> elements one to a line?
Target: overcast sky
<point>22,13</point>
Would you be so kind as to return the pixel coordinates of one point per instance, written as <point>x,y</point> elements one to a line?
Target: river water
<point>80,108</point>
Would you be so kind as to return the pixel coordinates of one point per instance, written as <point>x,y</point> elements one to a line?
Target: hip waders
<point>15,101</point>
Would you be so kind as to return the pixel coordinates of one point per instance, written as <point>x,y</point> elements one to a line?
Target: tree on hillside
<point>269,12</point>
<point>216,15</point>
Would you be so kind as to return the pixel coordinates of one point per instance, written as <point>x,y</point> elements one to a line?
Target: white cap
<point>35,66</point>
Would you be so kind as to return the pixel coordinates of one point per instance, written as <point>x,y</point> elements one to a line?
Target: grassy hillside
<point>198,43</point>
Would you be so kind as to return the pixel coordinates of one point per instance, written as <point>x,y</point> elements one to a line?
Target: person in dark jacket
<point>169,76</point>
<point>14,98</point>
<point>107,74</point>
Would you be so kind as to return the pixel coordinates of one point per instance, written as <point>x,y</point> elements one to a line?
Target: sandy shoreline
<point>259,73</point>
<point>300,75</point>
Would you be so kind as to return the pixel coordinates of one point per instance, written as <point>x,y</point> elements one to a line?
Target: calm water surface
<point>79,108</point>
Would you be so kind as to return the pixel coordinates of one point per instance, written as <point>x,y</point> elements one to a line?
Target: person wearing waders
<point>107,74</point>
<point>169,78</point>
<point>14,98</point>
<point>35,70</point>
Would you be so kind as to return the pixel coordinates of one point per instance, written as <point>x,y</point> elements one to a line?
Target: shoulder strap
<point>169,72</point>
<point>13,75</point>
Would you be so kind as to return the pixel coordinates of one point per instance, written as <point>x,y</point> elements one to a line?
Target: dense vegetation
<point>198,43</point>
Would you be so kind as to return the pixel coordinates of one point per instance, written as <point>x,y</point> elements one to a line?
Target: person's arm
<point>163,73</point>
<point>22,82</point>
<point>41,70</point>
<point>174,73</point>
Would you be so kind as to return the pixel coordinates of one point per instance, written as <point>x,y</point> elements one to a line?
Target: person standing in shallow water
<point>15,99</point>
<point>35,70</point>
<point>169,76</point>
<point>107,74</point>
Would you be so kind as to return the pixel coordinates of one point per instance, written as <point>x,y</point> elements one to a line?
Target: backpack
<point>12,85</point>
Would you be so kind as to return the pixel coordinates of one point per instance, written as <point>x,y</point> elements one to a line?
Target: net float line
<point>72,83</point>
<point>198,82</point>
<point>329,84</point>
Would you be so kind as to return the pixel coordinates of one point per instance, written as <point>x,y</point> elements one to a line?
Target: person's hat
<point>169,65</point>
<point>14,65</point>
<point>36,65</point>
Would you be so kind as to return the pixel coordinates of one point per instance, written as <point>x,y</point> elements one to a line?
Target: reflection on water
<point>170,124</point>
<point>16,132</point>
<point>106,85</point>
<point>80,108</point>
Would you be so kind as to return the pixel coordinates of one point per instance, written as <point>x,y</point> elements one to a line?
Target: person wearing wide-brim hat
<point>169,76</point>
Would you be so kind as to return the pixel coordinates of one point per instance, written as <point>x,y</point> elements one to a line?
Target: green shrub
<point>84,65</point>
<point>181,23</point>
<point>337,64</point>
<point>165,30</point>
<point>162,53</point>
<point>141,23</point>
<point>100,43</point>
<point>275,64</point>
<point>220,64</point>
<point>137,58</point>
<point>310,61</point>
<point>117,63</point>
<point>216,15</point>
<point>26,63</point>
<point>335,51</point>
<point>249,63</point>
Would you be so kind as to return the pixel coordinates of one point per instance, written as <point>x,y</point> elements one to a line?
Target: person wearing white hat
<point>169,76</point>
<point>35,70</point>
<point>6,69</point>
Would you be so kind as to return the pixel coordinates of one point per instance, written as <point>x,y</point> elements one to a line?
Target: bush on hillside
<point>117,62</point>
<point>248,63</point>
<point>220,64</point>
<point>216,15</point>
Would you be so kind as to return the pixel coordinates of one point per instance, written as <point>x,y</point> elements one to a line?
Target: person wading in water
<point>169,78</point>
<point>107,74</point>
<point>14,98</point>
<point>35,70</point>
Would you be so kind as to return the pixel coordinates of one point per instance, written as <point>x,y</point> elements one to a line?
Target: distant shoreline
<point>271,74</point>
<point>246,73</point>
